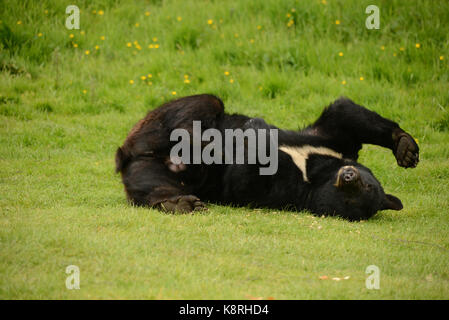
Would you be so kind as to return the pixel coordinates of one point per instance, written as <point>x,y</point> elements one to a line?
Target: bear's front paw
<point>407,151</point>
<point>183,204</point>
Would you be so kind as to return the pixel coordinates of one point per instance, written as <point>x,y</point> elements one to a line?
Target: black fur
<point>352,192</point>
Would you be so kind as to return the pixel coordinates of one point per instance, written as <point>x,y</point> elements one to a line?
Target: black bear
<point>317,168</point>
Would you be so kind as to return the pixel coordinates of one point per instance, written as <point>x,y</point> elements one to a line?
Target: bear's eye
<point>369,187</point>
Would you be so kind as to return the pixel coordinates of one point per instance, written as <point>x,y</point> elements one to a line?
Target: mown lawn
<point>69,97</point>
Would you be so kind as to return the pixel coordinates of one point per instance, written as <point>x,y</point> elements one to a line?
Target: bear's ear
<point>391,202</point>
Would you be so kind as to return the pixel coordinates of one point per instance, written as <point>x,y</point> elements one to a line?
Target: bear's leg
<point>347,126</point>
<point>149,182</point>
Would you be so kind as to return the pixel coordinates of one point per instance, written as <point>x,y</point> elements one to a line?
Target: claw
<point>183,204</point>
<point>407,151</point>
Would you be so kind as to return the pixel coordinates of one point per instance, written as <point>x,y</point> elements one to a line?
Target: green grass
<point>63,113</point>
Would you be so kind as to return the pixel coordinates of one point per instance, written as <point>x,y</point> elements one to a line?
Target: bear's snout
<point>347,175</point>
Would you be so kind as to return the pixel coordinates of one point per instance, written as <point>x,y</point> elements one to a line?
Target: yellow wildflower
<point>39,34</point>
<point>143,77</point>
<point>361,78</point>
<point>101,12</point>
<point>129,44</point>
<point>340,54</point>
<point>173,93</point>
<point>131,81</point>
<point>102,38</point>
<point>343,82</point>
<point>337,21</point>
<point>210,21</point>
<point>147,13</point>
<point>87,52</point>
<point>226,73</point>
<point>179,18</point>
<point>418,45</point>
<point>71,36</point>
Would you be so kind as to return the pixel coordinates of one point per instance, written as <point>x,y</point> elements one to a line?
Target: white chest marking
<point>301,154</point>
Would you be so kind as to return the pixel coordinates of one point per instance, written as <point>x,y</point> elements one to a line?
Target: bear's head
<point>352,192</point>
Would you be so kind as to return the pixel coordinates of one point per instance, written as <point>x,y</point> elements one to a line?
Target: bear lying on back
<point>317,167</point>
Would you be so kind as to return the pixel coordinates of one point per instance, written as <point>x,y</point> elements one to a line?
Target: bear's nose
<point>347,175</point>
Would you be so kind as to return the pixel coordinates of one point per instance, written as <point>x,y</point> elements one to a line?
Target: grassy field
<point>69,97</point>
